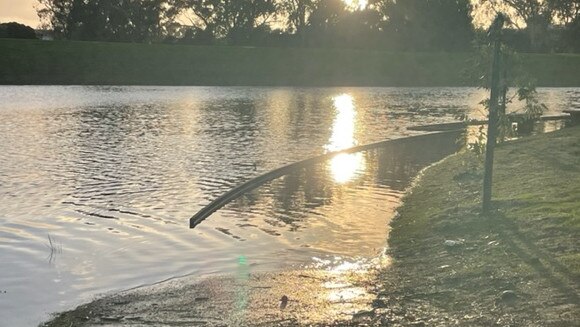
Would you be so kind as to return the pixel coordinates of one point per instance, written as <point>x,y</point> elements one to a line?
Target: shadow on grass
<point>548,268</point>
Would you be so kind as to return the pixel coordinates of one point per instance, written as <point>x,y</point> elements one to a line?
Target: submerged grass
<point>102,63</point>
<point>54,248</point>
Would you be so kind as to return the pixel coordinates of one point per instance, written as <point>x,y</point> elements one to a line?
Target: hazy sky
<point>21,11</point>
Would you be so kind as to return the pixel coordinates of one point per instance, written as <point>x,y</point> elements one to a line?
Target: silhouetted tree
<point>233,20</point>
<point>408,25</point>
<point>107,20</point>
<point>571,36</point>
<point>565,11</point>
<point>15,30</point>
<point>334,23</point>
<point>360,29</point>
<point>428,24</point>
<point>534,16</point>
<point>323,22</point>
<point>55,15</point>
<point>297,13</point>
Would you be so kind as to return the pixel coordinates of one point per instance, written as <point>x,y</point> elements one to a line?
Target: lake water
<point>113,174</point>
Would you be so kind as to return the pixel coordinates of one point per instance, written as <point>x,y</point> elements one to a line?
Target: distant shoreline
<point>34,62</point>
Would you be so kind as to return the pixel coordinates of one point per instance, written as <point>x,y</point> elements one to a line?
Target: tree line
<point>399,25</point>
<point>15,30</point>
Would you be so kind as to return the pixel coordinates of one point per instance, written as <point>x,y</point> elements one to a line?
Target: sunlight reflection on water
<point>344,165</point>
<point>344,285</point>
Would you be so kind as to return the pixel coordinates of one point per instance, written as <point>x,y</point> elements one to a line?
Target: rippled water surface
<point>113,174</point>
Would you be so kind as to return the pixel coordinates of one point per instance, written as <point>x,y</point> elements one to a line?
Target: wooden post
<point>495,34</point>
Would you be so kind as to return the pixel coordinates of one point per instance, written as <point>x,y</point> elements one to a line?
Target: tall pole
<point>495,34</point>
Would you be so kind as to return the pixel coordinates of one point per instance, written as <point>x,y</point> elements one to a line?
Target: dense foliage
<point>16,31</point>
<point>403,25</point>
<point>542,25</point>
<point>105,20</point>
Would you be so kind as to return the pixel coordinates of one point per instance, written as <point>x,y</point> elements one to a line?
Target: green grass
<point>536,190</point>
<point>529,243</point>
<point>69,62</point>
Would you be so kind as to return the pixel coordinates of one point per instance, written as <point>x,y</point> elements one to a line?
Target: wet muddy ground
<point>306,297</point>
<point>377,297</point>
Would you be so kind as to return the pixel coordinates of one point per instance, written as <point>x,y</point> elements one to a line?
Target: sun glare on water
<point>345,165</point>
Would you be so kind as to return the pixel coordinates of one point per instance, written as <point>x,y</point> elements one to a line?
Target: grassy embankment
<point>530,245</point>
<point>62,62</point>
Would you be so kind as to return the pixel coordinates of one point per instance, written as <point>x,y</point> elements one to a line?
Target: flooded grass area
<point>97,183</point>
<point>450,265</point>
<point>114,173</point>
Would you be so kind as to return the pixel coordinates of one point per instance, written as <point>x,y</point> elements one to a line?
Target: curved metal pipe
<point>260,180</point>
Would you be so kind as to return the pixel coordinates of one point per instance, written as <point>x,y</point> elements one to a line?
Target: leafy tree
<point>15,30</point>
<point>515,86</point>
<point>297,13</point>
<point>323,22</point>
<point>536,16</point>
<point>571,36</point>
<point>565,11</point>
<point>334,23</point>
<point>233,20</point>
<point>107,20</point>
<point>498,69</point>
<point>55,15</point>
<point>360,29</point>
<point>428,24</point>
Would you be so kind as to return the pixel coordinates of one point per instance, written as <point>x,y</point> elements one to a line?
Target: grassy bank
<point>519,266</point>
<point>61,62</point>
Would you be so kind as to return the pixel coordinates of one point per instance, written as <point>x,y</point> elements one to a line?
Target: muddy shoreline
<point>314,297</point>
